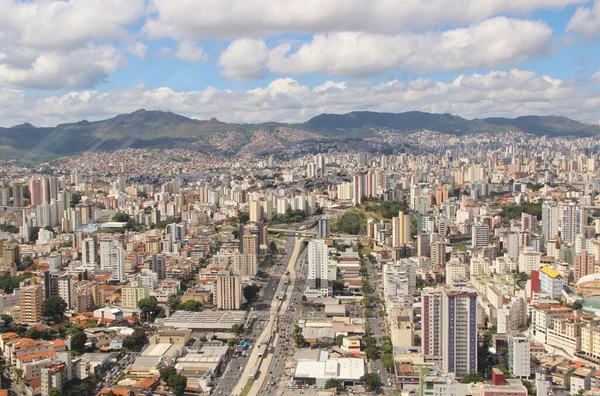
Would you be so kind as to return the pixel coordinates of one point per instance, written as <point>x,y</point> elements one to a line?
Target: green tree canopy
<point>472,377</point>
<point>136,341</point>
<point>351,222</point>
<point>251,293</point>
<point>7,319</point>
<point>167,372</point>
<point>78,340</point>
<point>334,383</point>
<point>372,381</point>
<point>54,392</point>
<point>191,305</point>
<point>371,352</point>
<point>148,305</point>
<point>54,307</point>
<point>121,217</point>
<point>177,383</point>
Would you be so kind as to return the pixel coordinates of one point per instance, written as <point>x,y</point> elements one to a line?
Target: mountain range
<point>158,129</point>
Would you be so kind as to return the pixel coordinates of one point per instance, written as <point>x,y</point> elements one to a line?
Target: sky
<point>289,60</point>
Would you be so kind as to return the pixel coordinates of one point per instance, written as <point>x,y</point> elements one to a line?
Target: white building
<point>519,356</point>
<point>480,235</point>
<point>88,253</point>
<point>317,267</point>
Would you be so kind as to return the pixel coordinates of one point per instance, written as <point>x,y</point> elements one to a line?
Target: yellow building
<point>32,298</point>
<point>132,294</point>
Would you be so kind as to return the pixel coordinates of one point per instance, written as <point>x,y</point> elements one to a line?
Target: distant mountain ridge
<point>159,129</point>
<point>448,123</point>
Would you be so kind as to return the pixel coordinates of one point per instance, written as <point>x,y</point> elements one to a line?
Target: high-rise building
<point>571,222</point>
<point>320,165</point>
<point>117,263</point>
<point>441,194</point>
<point>512,247</point>
<point>132,294</point>
<point>431,313</point>
<point>66,290</point>
<point>256,211</point>
<point>584,265</point>
<point>250,244</point>
<point>11,254</point>
<point>459,353</point>
<point>549,220</point>
<point>438,253</point>
<point>88,253</point>
<point>358,188</point>
<point>245,264</point>
<point>32,297</point>
<point>105,246</point>
<point>158,265</point>
<point>229,292</point>
<point>317,266</point>
<point>519,356</point>
<point>4,196</point>
<point>480,235</point>
<point>17,194</point>
<point>400,230</point>
<point>323,229</point>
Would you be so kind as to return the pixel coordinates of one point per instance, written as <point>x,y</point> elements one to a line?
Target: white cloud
<point>498,93</point>
<point>595,79</point>
<point>51,24</point>
<point>190,52</point>
<point>138,50</point>
<point>244,59</point>
<point>79,68</point>
<point>586,20</point>
<point>191,19</point>
<point>49,44</point>
<point>496,42</point>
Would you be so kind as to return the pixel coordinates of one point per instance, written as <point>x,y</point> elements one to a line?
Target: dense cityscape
<point>460,267</point>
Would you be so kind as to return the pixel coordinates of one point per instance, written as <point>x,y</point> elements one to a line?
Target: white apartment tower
<point>519,356</point>
<point>317,266</point>
<point>88,252</point>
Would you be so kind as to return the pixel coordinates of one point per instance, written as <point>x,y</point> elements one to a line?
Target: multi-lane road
<point>237,367</point>
<point>276,377</point>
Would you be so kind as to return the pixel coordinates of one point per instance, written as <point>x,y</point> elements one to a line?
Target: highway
<point>236,370</point>
<point>277,376</point>
<point>375,322</point>
<point>269,329</point>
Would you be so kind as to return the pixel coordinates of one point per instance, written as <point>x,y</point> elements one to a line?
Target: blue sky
<point>260,60</point>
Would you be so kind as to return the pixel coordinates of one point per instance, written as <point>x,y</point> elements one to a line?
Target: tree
<point>388,360</point>
<point>577,305</point>
<point>472,377</point>
<point>166,372</point>
<point>147,305</point>
<point>177,383</point>
<point>251,293</point>
<point>237,329</point>
<point>371,352</point>
<point>386,348</point>
<point>337,285</point>
<point>529,386</point>
<point>372,381</point>
<point>136,341</point>
<point>54,307</point>
<point>243,217</point>
<point>339,339</point>
<point>54,392</point>
<point>173,302</point>
<point>78,341</point>
<point>121,217</point>
<point>191,305</point>
<point>334,383</point>
<point>75,199</point>
<point>7,319</point>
